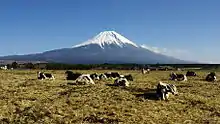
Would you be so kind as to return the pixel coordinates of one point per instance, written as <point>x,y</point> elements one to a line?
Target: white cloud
<point>170,52</point>
<point>184,54</point>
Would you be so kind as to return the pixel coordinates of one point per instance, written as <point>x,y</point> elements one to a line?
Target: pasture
<point>24,99</point>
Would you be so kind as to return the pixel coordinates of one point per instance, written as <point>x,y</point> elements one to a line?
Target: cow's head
<point>39,73</point>
<point>172,89</point>
<point>173,76</point>
<point>129,77</point>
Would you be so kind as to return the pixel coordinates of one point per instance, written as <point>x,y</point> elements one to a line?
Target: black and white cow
<point>121,81</point>
<point>143,71</point>
<point>42,76</point>
<point>102,77</point>
<point>94,76</point>
<point>211,77</point>
<point>129,77</point>
<point>164,90</point>
<point>84,79</point>
<point>190,73</point>
<point>178,77</point>
<point>72,76</point>
<point>115,74</point>
<point>112,74</point>
<point>4,68</point>
<point>107,74</point>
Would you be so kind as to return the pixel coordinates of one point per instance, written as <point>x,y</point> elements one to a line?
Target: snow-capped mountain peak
<point>108,38</point>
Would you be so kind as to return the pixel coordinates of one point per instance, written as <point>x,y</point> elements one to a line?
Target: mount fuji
<point>106,47</point>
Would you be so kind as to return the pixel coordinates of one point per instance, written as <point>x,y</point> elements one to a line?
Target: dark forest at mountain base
<point>106,66</point>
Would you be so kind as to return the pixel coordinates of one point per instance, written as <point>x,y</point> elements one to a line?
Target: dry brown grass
<point>24,99</point>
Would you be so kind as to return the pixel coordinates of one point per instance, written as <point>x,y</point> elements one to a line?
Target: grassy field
<point>24,99</point>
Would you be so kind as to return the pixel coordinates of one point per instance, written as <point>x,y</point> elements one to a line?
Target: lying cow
<point>164,90</point>
<point>84,79</point>
<point>128,77</point>
<point>102,77</point>
<point>178,77</point>
<point>4,68</point>
<point>121,82</point>
<point>145,71</point>
<point>211,77</point>
<point>112,74</point>
<point>107,74</point>
<point>190,73</point>
<point>94,76</point>
<point>71,75</point>
<point>115,74</point>
<point>42,76</point>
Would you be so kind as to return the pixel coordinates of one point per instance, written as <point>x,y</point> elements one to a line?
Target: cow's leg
<point>166,96</point>
<point>163,96</point>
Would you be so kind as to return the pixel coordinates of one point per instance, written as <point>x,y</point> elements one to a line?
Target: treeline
<point>106,66</point>
<point>16,65</point>
<point>58,66</point>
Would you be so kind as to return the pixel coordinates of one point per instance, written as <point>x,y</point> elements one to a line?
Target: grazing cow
<point>94,76</point>
<point>102,77</point>
<point>164,90</point>
<point>121,82</point>
<point>178,77</point>
<point>112,74</point>
<point>42,76</point>
<point>71,75</point>
<point>190,73</point>
<point>211,77</point>
<point>84,79</point>
<point>145,71</point>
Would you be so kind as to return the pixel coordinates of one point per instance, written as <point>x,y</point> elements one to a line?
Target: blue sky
<point>187,29</point>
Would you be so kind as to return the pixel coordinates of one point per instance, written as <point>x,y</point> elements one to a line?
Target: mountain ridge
<point>106,47</point>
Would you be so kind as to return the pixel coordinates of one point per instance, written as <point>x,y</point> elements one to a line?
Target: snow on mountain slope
<point>107,38</point>
<point>106,47</point>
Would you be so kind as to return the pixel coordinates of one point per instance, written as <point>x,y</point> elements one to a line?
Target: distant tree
<point>14,65</point>
<point>30,66</point>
